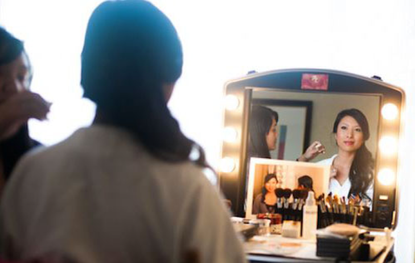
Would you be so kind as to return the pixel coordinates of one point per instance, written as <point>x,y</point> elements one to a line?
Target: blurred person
<point>17,104</point>
<point>124,189</point>
<point>305,182</point>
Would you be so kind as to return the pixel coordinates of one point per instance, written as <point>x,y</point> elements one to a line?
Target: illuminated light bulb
<point>390,111</point>
<point>230,134</point>
<point>231,102</point>
<point>227,165</point>
<point>386,176</point>
<point>388,145</point>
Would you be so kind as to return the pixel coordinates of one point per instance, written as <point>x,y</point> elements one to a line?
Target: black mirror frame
<point>385,199</point>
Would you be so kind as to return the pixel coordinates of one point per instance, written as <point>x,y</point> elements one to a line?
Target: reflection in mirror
<point>327,92</point>
<point>350,146</point>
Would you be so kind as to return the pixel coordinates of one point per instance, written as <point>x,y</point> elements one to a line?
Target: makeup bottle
<point>310,217</point>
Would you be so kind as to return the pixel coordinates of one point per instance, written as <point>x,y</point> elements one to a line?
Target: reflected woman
<point>262,132</point>
<point>305,182</point>
<point>352,167</point>
<point>265,201</point>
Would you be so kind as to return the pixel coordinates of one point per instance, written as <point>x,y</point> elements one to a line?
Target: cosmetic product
<point>341,241</point>
<point>280,194</point>
<point>287,195</point>
<point>291,229</point>
<point>295,206</point>
<point>262,226</point>
<point>286,215</point>
<point>310,217</point>
<point>276,223</point>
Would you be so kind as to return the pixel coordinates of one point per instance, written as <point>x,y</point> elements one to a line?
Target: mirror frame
<point>233,181</point>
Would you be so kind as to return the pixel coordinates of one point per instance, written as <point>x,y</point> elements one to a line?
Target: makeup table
<point>275,248</point>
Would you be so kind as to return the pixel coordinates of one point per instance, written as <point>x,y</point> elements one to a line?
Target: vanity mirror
<point>307,102</point>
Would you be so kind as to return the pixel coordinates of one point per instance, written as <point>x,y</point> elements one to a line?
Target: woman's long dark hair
<point>260,123</point>
<point>306,181</point>
<point>131,49</point>
<point>361,171</point>
<point>264,190</point>
<point>14,147</point>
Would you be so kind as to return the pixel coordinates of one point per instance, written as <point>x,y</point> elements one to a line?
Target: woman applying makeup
<point>262,132</point>
<point>17,104</point>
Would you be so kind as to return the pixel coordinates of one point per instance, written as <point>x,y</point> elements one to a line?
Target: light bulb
<point>388,145</point>
<point>386,176</point>
<point>230,134</point>
<point>227,165</point>
<point>390,111</point>
<point>231,102</point>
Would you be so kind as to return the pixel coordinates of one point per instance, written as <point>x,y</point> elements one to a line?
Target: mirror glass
<point>296,131</point>
<point>304,118</point>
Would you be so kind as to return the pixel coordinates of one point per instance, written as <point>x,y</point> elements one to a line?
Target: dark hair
<point>10,47</point>
<point>264,191</point>
<point>260,122</point>
<point>131,49</point>
<point>306,181</point>
<point>14,147</point>
<point>361,171</point>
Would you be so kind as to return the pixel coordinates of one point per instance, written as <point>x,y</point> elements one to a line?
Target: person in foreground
<point>17,104</point>
<point>124,189</point>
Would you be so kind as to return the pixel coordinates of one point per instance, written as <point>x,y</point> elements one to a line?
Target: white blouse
<point>342,190</point>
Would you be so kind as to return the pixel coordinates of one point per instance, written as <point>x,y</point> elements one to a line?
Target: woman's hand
<point>18,109</point>
<point>312,152</point>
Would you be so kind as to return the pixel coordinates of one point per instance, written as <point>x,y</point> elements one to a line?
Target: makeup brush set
<point>290,211</point>
<point>332,209</point>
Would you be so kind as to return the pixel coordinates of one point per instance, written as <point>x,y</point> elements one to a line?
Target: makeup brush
<point>304,195</point>
<point>297,196</point>
<point>295,207</point>
<point>280,194</point>
<point>336,204</point>
<point>329,204</point>
<point>322,218</point>
<point>343,205</point>
<point>287,195</point>
<point>321,203</point>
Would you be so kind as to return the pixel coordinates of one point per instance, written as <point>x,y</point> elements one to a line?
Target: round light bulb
<point>227,165</point>
<point>388,145</point>
<point>386,176</point>
<point>230,134</point>
<point>231,102</point>
<point>390,111</point>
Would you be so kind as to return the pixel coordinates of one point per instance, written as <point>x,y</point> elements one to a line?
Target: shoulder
<point>328,160</point>
<point>258,198</point>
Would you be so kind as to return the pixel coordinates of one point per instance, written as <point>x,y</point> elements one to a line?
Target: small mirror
<point>307,102</point>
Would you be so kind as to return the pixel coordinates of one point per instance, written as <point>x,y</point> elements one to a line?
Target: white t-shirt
<point>101,197</point>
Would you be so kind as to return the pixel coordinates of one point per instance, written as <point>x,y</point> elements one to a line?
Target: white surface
<point>223,40</point>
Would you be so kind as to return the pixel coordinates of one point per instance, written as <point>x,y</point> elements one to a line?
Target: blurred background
<point>223,40</point>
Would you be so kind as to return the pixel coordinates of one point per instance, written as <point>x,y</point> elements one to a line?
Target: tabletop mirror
<point>307,102</point>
